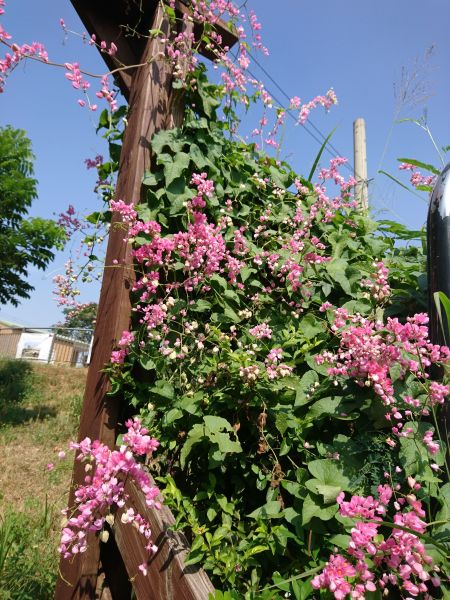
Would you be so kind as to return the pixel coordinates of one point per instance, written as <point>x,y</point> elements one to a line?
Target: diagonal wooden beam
<point>167,577</point>
<point>150,102</point>
<point>127,23</point>
<point>152,108</point>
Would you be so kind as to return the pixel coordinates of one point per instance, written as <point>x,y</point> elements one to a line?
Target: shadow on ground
<point>18,403</point>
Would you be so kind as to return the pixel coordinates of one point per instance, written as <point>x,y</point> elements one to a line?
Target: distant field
<point>39,412</point>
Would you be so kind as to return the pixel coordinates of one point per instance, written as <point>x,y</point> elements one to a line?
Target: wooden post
<point>152,108</point>
<point>149,104</point>
<point>360,163</point>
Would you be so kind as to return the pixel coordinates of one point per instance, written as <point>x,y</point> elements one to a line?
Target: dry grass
<point>32,431</point>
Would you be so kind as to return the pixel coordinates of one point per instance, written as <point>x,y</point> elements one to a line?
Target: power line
<point>316,129</point>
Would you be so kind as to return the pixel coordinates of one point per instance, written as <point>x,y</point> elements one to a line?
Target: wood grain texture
<point>152,108</point>
<point>126,23</point>
<point>167,576</point>
<point>149,104</point>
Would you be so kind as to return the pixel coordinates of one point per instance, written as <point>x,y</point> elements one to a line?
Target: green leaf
<point>421,165</point>
<point>340,540</point>
<point>413,454</point>
<point>225,444</point>
<point>163,389</point>
<point>256,550</point>
<point>441,300</point>
<point>172,415</point>
<point>150,179</point>
<point>201,306</point>
<point>268,510</point>
<point>218,283</point>
<point>195,436</point>
<point>395,371</point>
<point>215,424</point>
<point>444,499</point>
<point>304,386</point>
<point>319,154</point>
<point>166,138</point>
<point>325,406</point>
<point>174,169</point>
<point>312,507</point>
<point>337,269</point>
<point>329,479</point>
<point>147,363</point>
<point>310,326</point>
<point>281,422</point>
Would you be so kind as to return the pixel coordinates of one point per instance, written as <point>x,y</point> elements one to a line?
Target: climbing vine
<point>278,351</point>
<point>276,354</point>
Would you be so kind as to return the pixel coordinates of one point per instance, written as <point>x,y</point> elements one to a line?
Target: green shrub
<point>16,380</point>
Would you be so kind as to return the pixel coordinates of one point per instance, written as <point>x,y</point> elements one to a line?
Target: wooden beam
<point>149,105</point>
<point>167,577</point>
<point>152,108</point>
<point>126,23</point>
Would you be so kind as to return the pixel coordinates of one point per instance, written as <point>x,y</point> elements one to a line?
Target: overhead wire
<point>334,151</point>
<point>329,147</point>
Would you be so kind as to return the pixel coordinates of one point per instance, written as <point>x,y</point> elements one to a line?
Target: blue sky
<point>359,48</point>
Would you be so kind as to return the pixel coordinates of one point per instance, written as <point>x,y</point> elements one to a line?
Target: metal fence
<point>55,345</point>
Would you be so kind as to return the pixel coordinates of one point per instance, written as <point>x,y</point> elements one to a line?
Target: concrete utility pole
<point>360,162</point>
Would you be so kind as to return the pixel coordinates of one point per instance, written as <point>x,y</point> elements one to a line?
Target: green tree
<point>24,241</point>
<point>79,322</point>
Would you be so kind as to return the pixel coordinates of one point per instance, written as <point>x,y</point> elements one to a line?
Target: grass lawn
<point>39,411</point>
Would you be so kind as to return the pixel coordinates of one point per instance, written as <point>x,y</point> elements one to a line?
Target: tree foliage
<point>79,321</point>
<point>24,241</point>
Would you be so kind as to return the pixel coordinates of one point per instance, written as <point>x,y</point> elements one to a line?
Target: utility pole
<point>153,106</point>
<point>360,162</point>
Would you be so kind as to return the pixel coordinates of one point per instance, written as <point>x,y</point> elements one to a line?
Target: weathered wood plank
<point>167,577</point>
<point>127,23</point>
<point>151,109</point>
<point>149,103</point>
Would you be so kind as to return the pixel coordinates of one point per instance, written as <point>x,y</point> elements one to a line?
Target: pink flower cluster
<point>180,52</point>
<point>107,94</point>
<point>261,331</point>
<point>103,490</point>
<point>432,446</point>
<point>327,101</point>
<point>19,53</point>
<point>369,348</point>
<point>66,292</point>
<point>118,356</point>
<point>274,368</point>
<point>378,284</point>
<point>205,249</point>
<point>69,222</point>
<point>74,75</point>
<point>375,561</point>
<point>126,211</point>
<point>417,179</point>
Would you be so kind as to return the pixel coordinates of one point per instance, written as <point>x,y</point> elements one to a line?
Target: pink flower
<point>432,446</point>
<point>103,488</point>
<point>334,577</point>
<point>261,331</point>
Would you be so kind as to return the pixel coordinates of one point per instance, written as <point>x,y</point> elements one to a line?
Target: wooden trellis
<point>105,570</point>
